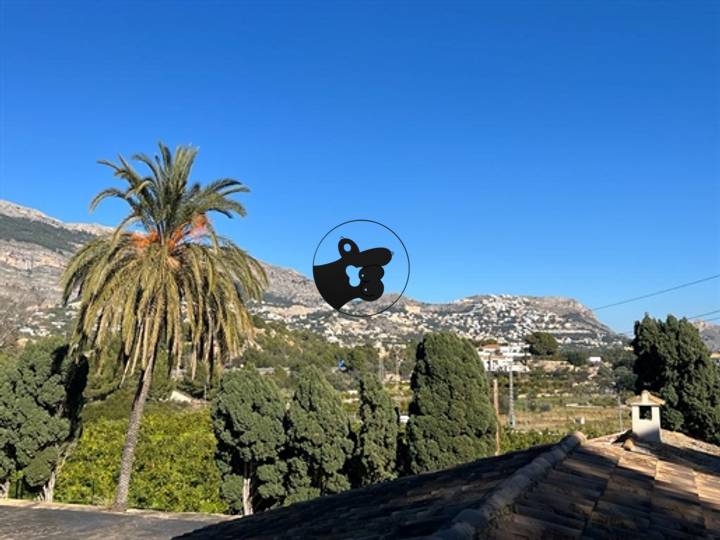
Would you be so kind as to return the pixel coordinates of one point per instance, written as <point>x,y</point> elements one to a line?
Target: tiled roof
<point>594,489</point>
<point>603,491</point>
<point>404,508</point>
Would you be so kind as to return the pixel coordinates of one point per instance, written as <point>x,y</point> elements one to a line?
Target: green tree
<point>542,344</point>
<point>362,359</point>
<point>248,414</point>
<point>673,362</point>
<point>376,451</point>
<point>41,397</point>
<point>318,439</point>
<point>451,418</point>
<point>622,362</point>
<point>575,358</point>
<point>8,373</point>
<point>169,280</point>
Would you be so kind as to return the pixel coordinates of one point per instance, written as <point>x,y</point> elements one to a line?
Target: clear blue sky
<point>559,148</point>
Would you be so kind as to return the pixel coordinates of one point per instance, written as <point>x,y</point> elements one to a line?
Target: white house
<point>504,365</point>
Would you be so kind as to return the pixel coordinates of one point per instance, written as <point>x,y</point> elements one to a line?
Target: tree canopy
<point>318,439</point>
<point>451,418</point>
<point>41,397</point>
<point>674,363</point>
<point>542,344</point>
<point>376,450</point>
<point>248,414</point>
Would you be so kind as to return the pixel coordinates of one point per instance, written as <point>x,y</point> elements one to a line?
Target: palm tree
<point>163,278</point>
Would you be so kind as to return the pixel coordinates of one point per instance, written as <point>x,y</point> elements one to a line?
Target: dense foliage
<point>542,344</point>
<point>307,449</point>
<point>281,348</point>
<point>511,440</point>
<point>363,359</point>
<point>174,468</point>
<point>375,454</point>
<point>451,418</point>
<point>674,363</point>
<point>619,374</point>
<point>40,404</point>
<point>318,439</point>
<point>575,358</point>
<point>276,346</point>
<point>248,414</point>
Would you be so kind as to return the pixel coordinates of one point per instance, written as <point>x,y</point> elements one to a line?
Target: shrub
<point>174,469</point>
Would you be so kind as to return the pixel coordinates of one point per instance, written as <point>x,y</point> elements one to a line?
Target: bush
<point>174,467</point>
<point>511,440</point>
<point>575,358</point>
<point>542,344</point>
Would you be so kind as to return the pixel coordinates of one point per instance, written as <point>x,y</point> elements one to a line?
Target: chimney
<point>646,417</point>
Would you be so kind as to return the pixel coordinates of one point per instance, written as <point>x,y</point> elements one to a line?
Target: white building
<point>504,365</point>
<point>503,358</point>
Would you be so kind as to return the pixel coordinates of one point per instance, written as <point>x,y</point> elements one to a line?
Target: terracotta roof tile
<point>594,490</point>
<point>652,493</point>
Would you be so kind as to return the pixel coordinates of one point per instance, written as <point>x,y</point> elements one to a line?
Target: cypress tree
<point>451,418</point>
<point>318,439</point>
<point>674,363</point>
<point>41,397</point>
<point>7,424</point>
<point>247,415</point>
<point>376,451</point>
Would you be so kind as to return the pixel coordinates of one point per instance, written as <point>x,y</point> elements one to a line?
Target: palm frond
<point>173,281</point>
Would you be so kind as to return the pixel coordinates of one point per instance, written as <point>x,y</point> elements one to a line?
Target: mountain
<point>710,334</point>
<point>35,247</point>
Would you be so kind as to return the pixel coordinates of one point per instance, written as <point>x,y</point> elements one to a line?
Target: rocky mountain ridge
<point>710,333</point>
<point>35,247</point>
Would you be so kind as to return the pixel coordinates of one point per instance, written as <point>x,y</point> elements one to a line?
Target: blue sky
<point>546,148</point>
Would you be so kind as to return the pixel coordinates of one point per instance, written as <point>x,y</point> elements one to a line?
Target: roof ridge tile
<point>469,522</point>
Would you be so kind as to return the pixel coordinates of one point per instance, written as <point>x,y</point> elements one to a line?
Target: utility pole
<point>620,413</point>
<point>496,404</point>
<point>398,361</point>
<point>511,403</point>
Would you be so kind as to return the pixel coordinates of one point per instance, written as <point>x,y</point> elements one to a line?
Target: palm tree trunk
<point>246,493</point>
<point>131,439</point>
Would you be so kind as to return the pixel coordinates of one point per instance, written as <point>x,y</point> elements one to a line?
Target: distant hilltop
<point>11,210</point>
<point>35,247</point>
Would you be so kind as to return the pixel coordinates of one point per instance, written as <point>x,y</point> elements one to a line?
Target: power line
<point>705,314</point>
<point>656,293</point>
<point>688,318</point>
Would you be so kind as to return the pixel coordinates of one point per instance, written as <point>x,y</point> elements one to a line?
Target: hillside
<point>35,247</point>
<point>710,334</point>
